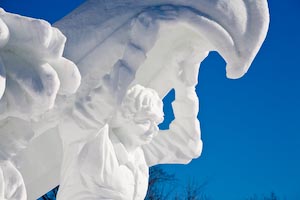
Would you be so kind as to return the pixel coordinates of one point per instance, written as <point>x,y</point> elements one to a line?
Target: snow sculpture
<point>109,163</point>
<point>98,139</point>
<point>33,72</point>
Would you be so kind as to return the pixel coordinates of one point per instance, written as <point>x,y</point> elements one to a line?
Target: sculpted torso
<point>81,103</point>
<point>101,180</point>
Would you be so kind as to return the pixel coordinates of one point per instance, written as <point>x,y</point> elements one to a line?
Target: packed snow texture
<point>32,73</point>
<point>33,70</point>
<point>116,45</point>
<point>108,163</point>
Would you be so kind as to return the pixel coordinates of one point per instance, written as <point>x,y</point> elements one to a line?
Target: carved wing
<point>160,44</point>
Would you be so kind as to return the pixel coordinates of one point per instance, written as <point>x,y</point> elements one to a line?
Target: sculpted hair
<point>142,103</point>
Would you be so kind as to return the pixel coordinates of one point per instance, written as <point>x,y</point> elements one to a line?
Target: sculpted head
<point>136,123</point>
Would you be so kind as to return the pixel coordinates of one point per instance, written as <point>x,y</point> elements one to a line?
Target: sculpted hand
<point>32,69</point>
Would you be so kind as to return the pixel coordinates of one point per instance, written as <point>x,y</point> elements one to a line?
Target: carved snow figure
<point>98,139</point>
<point>109,163</point>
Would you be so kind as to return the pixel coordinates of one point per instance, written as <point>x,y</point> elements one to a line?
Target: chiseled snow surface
<point>155,43</point>
<point>32,66</point>
<point>236,29</point>
<point>33,73</point>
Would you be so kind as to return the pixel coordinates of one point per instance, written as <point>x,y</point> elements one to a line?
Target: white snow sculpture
<point>109,163</point>
<point>33,72</point>
<point>32,66</point>
<point>90,139</point>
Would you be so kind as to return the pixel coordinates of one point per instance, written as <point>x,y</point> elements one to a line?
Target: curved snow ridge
<point>32,69</point>
<point>236,29</point>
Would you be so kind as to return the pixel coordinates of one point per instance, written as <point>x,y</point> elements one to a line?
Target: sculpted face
<point>137,121</point>
<point>136,132</point>
<point>145,129</point>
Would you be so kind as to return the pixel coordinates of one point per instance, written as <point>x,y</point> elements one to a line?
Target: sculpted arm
<point>181,142</point>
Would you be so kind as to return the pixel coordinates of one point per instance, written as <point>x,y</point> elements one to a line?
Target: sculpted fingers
<point>32,85</point>
<point>34,36</point>
<point>66,71</point>
<point>33,71</point>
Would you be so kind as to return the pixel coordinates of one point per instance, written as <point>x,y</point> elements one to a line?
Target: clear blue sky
<point>251,126</point>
